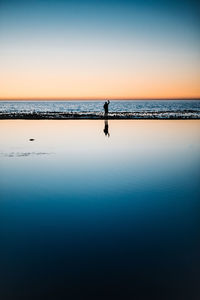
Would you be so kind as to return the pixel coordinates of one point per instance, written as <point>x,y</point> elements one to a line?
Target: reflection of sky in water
<point>100,214</point>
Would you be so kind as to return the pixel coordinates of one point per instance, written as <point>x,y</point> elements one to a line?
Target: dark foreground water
<point>85,215</point>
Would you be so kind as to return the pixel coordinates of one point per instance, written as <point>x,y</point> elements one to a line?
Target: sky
<point>99,49</point>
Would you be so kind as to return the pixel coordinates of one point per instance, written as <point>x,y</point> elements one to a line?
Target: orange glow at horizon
<point>98,50</point>
<point>99,73</point>
<point>94,84</point>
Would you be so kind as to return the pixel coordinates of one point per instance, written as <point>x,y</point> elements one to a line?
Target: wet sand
<point>99,209</point>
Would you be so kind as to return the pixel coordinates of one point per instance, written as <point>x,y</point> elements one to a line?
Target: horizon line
<point>96,99</point>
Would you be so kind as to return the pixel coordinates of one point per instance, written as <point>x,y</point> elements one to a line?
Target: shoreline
<point>165,115</point>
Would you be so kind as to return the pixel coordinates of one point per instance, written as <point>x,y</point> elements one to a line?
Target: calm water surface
<point>85,215</point>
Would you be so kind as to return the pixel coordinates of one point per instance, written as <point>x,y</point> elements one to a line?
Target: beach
<point>99,150</point>
<point>99,208</point>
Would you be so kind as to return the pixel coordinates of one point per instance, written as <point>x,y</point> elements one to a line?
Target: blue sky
<point>84,43</point>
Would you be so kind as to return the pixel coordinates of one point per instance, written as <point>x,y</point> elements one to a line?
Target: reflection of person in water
<point>106,107</point>
<point>106,129</point>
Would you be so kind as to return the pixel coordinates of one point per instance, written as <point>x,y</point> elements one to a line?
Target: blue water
<point>97,106</point>
<point>87,215</point>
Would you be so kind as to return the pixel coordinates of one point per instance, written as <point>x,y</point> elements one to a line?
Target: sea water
<point>99,209</point>
<point>97,106</point>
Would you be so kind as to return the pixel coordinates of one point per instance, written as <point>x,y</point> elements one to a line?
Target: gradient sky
<point>97,49</point>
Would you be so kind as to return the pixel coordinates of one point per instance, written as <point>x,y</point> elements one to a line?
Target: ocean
<point>131,108</point>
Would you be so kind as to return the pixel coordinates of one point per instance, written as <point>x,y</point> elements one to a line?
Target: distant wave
<point>137,109</point>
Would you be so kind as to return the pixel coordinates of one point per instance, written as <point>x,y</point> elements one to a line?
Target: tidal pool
<point>99,210</point>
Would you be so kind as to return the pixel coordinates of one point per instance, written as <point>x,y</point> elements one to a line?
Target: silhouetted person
<point>106,107</point>
<point>106,129</point>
